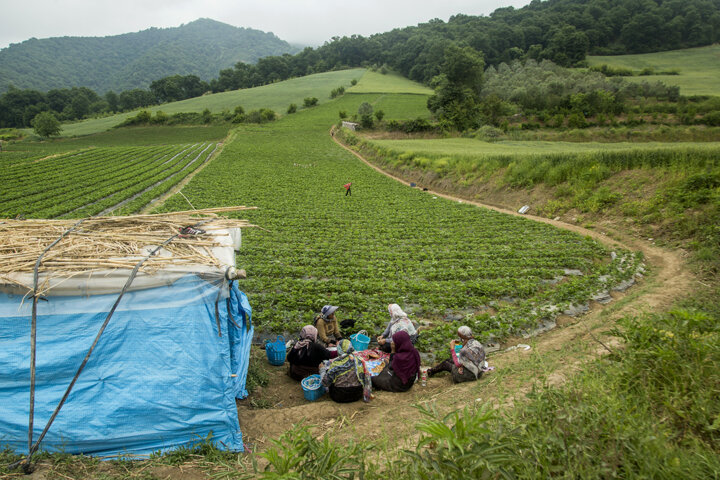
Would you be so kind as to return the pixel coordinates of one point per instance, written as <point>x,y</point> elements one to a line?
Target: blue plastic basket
<point>275,351</point>
<point>458,348</point>
<point>312,388</point>
<point>360,341</point>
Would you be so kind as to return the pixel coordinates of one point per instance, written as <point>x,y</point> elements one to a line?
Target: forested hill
<point>133,60</point>
<point>563,31</point>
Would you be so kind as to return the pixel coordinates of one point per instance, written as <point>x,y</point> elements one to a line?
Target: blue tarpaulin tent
<point>165,373</point>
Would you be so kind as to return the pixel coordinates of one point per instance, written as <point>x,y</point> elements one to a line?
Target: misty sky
<point>305,22</point>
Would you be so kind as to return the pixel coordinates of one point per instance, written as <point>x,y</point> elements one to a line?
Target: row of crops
<point>444,262</point>
<point>96,180</point>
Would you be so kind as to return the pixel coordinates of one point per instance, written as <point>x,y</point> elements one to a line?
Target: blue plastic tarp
<point>161,376</point>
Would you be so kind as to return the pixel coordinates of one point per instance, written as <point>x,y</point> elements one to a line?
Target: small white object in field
<point>524,209</point>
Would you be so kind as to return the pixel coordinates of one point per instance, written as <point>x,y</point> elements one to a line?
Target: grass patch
<point>698,68</point>
<point>375,82</point>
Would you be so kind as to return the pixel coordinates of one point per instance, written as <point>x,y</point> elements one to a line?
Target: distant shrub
<point>336,92</point>
<point>10,134</point>
<point>712,119</point>
<point>310,102</point>
<point>609,71</point>
<point>353,82</point>
<point>488,133</point>
<point>411,126</point>
<point>160,118</point>
<point>577,120</point>
<point>292,108</point>
<point>262,115</point>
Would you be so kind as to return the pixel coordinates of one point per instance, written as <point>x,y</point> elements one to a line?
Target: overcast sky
<point>305,22</point>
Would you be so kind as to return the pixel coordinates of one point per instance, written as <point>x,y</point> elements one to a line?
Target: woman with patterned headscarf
<point>399,321</point>
<point>306,355</point>
<point>401,373</point>
<point>346,377</point>
<point>465,365</point>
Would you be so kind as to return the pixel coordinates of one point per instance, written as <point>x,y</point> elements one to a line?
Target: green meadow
<point>276,96</point>
<point>374,82</point>
<point>468,147</point>
<point>699,68</point>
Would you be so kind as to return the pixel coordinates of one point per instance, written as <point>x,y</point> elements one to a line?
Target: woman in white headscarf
<point>465,365</point>
<point>399,322</point>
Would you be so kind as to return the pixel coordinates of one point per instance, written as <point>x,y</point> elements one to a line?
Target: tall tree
<point>46,125</point>
<point>456,98</point>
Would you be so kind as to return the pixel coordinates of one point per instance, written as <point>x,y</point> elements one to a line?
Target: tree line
<point>561,31</point>
<point>19,107</point>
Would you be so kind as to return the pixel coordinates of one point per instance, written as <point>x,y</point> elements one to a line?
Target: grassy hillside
<point>276,96</point>
<point>699,68</point>
<point>374,82</point>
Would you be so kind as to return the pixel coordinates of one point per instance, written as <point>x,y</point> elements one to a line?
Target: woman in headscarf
<point>306,355</point>
<point>346,376</point>
<point>401,373</point>
<point>399,321</point>
<point>327,326</point>
<point>465,365</point>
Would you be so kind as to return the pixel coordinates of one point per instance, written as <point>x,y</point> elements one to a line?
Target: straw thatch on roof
<point>109,243</point>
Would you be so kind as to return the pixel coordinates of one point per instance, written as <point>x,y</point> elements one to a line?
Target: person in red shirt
<point>347,189</point>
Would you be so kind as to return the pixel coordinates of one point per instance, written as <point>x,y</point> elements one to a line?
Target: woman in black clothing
<point>306,355</point>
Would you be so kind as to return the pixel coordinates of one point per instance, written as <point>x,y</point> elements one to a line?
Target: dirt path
<point>553,358</point>
<point>163,198</point>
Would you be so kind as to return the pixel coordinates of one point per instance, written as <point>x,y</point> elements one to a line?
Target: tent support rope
<point>32,449</point>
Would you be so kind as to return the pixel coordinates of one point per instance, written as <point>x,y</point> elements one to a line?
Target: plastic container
<point>360,340</point>
<point>458,348</point>
<point>275,351</point>
<point>312,388</point>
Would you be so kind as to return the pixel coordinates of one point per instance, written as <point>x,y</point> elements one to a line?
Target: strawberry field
<point>445,262</point>
<point>95,181</point>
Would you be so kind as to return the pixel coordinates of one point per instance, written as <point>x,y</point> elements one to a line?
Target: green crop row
<point>108,177</point>
<point>60,180</point>
<point>119,192</point>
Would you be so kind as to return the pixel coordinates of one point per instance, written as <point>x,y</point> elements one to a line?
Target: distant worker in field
<point>327,326</point>
<point>467,363</point>
<point>306,355</point>
<point>346,377</point>
<point>399,322</point>
<point>347,189</point>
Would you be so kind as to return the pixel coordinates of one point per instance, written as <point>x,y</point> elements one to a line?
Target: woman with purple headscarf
<point>306,355</point>
<point>401,373</point>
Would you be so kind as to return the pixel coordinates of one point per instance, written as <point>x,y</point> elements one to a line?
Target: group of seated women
<point>346,376</point>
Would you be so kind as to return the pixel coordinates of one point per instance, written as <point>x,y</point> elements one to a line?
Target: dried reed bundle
<point>106,243</point>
